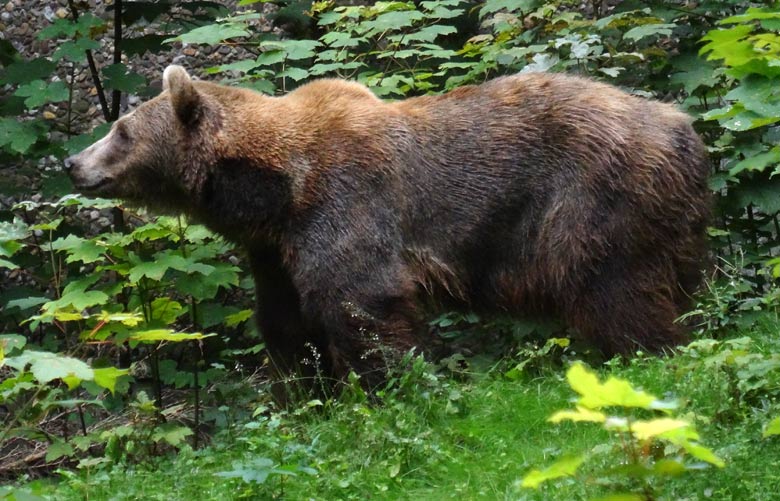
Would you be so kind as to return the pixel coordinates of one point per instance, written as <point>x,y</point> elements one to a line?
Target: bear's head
<point>154,155</point>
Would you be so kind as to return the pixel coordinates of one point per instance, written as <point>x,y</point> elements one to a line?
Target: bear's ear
<point>185,99</point>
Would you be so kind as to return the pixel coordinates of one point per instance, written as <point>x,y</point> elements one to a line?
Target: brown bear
<point>540,193</point>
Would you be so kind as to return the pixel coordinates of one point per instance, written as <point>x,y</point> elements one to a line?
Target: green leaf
<point>166,310</point>
<point>39,92</point>
<point>621,496</point>
<point>773,428</point>
<point>12,342</point>
<point>757,162</point>
<point>151,42</point>
<point>294,50</point>
<point>613,392</point>
<point>79,143</point>
<point>118,77</point>
<point>647,30</point>
<point>25,303</point>
<point>77,299</point>
<point>564,467</point>
<point>723,42</point>
<point>156,335</point>
<point>86,23</point>
<point>155,270</point>
<point>581,414</point>
<point>692,72</point>
<point>757,94</point>
<point>106,377</point>
<point>296,74</point>
<point>392,21</point>
<point>79,249</point>
<point>244,66</point>
<point>171,434</point>
<point>644,430</point>
<point>58,449</point>
<point>22,72</point>
<point>4,263</point>
<point>46,366</point>
<point>752,14</point>
<point>237,318</point>
<point>17,136</point>
<point>212,34</point>
<point>204,287</point>
<point>492,6</point>
<point>75,50</point>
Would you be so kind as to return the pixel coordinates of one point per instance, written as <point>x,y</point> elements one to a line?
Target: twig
<point>116,95</point>
<point>93,70</point>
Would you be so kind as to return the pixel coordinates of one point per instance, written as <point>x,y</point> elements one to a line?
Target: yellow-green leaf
<point>621,496</point>
<point>67,316</point>
<point>128,319</point>
<point>107,376</point>
<point>773,428</point>
<point>155,335</point>
<point>613,392</point>
<point>649,429</point>
<point>581,414</point>
<point>564,467</point>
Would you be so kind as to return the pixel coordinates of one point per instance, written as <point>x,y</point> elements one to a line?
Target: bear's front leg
<point>293,341</point>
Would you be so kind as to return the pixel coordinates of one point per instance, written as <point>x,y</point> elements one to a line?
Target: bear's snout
<point>70,163</point>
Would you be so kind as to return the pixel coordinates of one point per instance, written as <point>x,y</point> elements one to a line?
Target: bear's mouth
<point>94,187</point>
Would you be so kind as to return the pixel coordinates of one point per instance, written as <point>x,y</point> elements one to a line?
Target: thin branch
<point>116,95</point>
<point>93,70</point>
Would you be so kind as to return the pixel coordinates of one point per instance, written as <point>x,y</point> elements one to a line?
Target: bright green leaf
<point>564,467</point>
<point>613,392</point>
<point>107,377</point>
<point>644,430</point>
<point>581,414</point>
<point>155,335</point>
<point>773,428</point>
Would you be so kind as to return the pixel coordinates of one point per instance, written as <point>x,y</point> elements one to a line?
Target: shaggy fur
<point>538,193</point>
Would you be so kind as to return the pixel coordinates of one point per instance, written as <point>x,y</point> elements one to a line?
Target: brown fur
<point>544,193</point>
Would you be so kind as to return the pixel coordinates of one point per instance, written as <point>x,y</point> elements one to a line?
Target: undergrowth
<point>434,436</point>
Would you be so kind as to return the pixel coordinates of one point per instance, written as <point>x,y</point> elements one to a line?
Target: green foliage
<point>649,449</point>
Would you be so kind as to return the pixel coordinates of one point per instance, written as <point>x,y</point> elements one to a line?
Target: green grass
<point>439,438</point>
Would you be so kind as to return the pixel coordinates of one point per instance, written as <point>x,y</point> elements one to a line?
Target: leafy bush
<point>648,451</point>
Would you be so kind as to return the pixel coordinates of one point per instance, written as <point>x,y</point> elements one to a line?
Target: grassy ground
<point>440,438</point>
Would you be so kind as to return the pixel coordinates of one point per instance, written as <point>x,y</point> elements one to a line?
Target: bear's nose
<point>70,162</point>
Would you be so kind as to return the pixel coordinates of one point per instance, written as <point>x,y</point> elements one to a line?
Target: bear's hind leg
<point>621,309</point>
<point>370,329</point>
